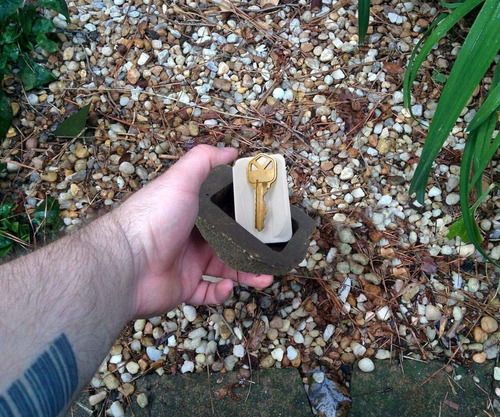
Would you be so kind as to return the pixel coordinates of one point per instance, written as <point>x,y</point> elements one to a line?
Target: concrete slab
<point>394,390</point>
<point>274,393</point>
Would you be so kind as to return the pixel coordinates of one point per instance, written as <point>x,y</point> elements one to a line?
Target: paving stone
<point>277,392</point>
<point>388,392</point>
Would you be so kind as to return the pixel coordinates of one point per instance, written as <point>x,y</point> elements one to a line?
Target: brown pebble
<point>276,322</point>
<point>328,202</point>
<point>229,315</point>
<point>348,357</point>
<point>480,336</point>
<point>127,389</point>
<point>306,47</point>
<point>489,324</point>
<point>49,176</point>
<point>327,165</point>
<point>479,357</point>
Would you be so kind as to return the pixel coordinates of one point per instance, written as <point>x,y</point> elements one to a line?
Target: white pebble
<point>466,250</point>
<point>143,59</point>
<point>142,400</point>
<point>366,365</point>
<point>328,332</point>
<point>358,193</point>
<point>189,312</point>
<point>153,353</point>
<point>278,93</point>
<point>473,285</point>
<point>432,313</point>
<point>97,398</point>
<point>434,192</point>
<point>187,366</point>
<point>338,74</point>
<point>326,55</point>
<point>358,349</point>
<point>298,338</point>
<point>384,201</point>
<point>107,51</point>
<point>346,174</point>
<point>238,351</point>
<point>319,377</point>
<point>384,313</point>
<point>277,354</point>
<point>291,353</point>
<point>452,199</point>
<point>395,18</point>
<point>133,367</point>
<point>496,373</point>
<point>117,409</point>
<point>383,354</point>
<point>126,168</point>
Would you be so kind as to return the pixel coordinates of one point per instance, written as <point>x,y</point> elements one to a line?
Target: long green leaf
<point>364,18</point>
<point>475,57</point>
<point>467,214</point>
<point>489,106</point>
<point>438,28</point>
<point>484,153</point>
<point>450,5</point>
<point>416,60</point>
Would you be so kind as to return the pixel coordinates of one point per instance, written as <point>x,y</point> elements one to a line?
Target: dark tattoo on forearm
<point>46,387</point>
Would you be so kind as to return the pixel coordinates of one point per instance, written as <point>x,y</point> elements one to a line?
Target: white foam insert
<point>278,222</point>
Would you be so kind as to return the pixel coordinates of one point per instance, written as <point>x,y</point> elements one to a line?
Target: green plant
<point>23,230</point>
<point>475,58</point>
<point>22,29</point>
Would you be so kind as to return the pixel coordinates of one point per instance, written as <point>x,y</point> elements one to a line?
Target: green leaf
<point>475,57</point>
<point>10,34</point>
<point>438,77</point>
<point>59,6</point>
<point>3,64</point>
<point>490,105</point>
<point>458,229</point>
<point>364,18</point>
<point>33,75</point>
<point>8,8</point>
<point>6,117</point>
<point>468,214</point>
<point>6,210</point>
<point>45,219</point>
<point>74,124</point>
<point>437,29</point>
<point>46,43</point>
<point>11,52</point>
<point>5,242</point>
<point>27,18</point>
<point>450,5</point>
<point>486,150</point>
<point>42,26</point>
<point>3,167</point>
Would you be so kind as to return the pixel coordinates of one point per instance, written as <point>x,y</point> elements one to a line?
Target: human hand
<point>169,254</point>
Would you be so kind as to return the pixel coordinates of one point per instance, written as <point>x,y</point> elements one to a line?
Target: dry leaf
<point>393,69</point>
<point>428,265</point>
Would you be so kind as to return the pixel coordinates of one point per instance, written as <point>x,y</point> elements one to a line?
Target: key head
<point>261,170</point>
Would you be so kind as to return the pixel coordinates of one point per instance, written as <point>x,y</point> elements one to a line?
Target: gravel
<point>163,78</point>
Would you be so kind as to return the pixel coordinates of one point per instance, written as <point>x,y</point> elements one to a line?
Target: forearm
<point>70,299</point>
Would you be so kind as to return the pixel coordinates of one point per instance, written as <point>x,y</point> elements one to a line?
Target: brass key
<point>261,173</point>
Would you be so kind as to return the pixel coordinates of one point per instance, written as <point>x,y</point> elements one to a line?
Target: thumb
<point>193,168</point>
